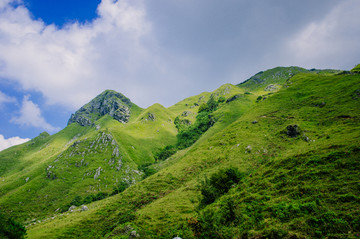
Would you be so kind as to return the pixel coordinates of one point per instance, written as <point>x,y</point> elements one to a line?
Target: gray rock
<point>248,149</point>
<point>116,152</point>
<point>97,173</point>
<point>84,208</point>
<point>107,103</point>
<point>151,116</point>
<point>186,113</point>
<point>270,88</point>
<point>72,208</point>
<point>133,234</point>
<point>254,122</point>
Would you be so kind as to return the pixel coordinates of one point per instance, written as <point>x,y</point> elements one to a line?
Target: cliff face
<point>107,103</point>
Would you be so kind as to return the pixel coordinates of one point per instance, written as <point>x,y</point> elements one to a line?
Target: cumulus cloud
<point>30,115</point>
<point>7,143</point>
<point>329,41</point>
<point>6,99</point>
<point>70,65</point>
<point>164,51</point>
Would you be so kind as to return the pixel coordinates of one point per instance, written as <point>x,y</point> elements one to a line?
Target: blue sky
<point>57,55</point>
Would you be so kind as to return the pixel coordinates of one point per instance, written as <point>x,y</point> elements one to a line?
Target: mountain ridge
<point>287,187</point>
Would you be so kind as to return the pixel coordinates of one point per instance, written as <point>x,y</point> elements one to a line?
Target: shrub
<point>221,99</point>
<point>219,184</point>
<point>9,228</point>
<point>166,152</point>
<point>203,107</point>
<point>100,195</point>
<point>120,188</point>
<point>77,201</point>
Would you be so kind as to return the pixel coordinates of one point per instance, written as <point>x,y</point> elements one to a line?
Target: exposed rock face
<point>107,103</point>
<point>270,88</point>
<point>151,116</point>
<point>186,113</point>
<point>233,98</point>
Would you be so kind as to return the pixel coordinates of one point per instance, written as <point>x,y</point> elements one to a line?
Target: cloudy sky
<point>57,55</point>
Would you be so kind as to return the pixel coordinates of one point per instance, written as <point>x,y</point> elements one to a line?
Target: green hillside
<point>272,162</point>
<point>45,175</point>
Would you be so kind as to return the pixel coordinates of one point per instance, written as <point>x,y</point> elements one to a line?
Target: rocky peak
<point>107,103</point>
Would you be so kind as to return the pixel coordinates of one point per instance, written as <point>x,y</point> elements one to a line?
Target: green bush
<point>189,135</point>
<point>203,107</point>
<point>219,184</point>
<point>120,188</point>
<point>221,99</point>
<point>9,228</point>
<point>166,152</point>
<point>77,201</point>
<point>100,196</point>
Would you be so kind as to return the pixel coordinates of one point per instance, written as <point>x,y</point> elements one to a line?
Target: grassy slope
<point>286,177</point>
<point>75,154</point>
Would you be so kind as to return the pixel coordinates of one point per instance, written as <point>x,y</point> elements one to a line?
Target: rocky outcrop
<point>233,98</point>
<point>270,87</point>
<point>107,103</point>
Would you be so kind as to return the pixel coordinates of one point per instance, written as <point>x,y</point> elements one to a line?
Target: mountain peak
<point>108,102</point>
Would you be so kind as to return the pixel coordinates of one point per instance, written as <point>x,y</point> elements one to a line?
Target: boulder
<point>133,234</point>
<point>72,208</point>
<point>84,208</point>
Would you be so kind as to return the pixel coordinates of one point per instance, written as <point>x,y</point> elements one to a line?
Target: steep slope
<point>85,161</point>
<point>298,151</point>
<point>107,103</point>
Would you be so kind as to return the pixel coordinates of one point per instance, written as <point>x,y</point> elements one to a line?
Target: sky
<point>55,56</point>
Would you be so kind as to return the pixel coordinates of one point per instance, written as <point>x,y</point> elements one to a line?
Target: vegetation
<point>218,184</point>
<point>246,176</point>
<point>11,229</point>
<point>188,136</point>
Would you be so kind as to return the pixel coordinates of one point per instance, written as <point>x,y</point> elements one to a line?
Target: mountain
<point>274,157</point>
<point>107,103</point>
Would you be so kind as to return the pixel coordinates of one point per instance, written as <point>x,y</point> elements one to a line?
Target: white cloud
<point>30,115</point>
<point>331,41</point>
<point>72,64</point>
<point>7,143</point>
<point>123,50</point>
<point>6,99</point>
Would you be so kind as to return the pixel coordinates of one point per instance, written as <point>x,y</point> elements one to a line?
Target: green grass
<point>356,69</point>
<point>303,187</point>
<point>63,166</point>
